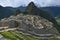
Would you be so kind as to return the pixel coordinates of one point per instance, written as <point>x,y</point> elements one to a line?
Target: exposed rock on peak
<point>31,8</point>
<point>31,4</point>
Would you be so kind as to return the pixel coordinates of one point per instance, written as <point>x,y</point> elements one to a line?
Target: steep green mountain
<point>54,10</point>
<point>22,8</point>
<point>32,9</point>
<point>17,11</point>
<point>6,11</point>
<point>58,19</point>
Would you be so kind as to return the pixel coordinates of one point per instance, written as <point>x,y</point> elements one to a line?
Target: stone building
<point>13,24</point>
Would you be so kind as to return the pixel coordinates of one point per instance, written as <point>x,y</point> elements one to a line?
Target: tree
<point>17,11</point>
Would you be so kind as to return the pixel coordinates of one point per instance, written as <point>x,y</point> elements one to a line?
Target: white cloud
<point>44,3</point>
<point>16,3</point>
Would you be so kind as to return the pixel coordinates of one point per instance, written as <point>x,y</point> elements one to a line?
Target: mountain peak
<point>0,6</point>
<point>31,8</point>
<point>34,10</point>
<point>31,4</point>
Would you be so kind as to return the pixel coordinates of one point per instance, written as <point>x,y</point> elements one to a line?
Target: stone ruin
<point>31,24</point>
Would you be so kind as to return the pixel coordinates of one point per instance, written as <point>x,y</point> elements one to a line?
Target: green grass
<point>54,39</point>
<point>8,35</point>
<point>27,37</point>
<point>19,36</point>
<point>12,35</point>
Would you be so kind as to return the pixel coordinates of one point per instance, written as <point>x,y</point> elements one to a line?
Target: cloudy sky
<point>42,3</point>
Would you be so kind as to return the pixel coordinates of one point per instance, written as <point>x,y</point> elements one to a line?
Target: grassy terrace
<point>12,35</point>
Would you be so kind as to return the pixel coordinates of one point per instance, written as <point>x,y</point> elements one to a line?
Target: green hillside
<point>58,20</point>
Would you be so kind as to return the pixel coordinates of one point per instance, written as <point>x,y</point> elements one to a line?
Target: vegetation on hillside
<point>12,35</point>
<point>17,11</point>
<point>58,20</point>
